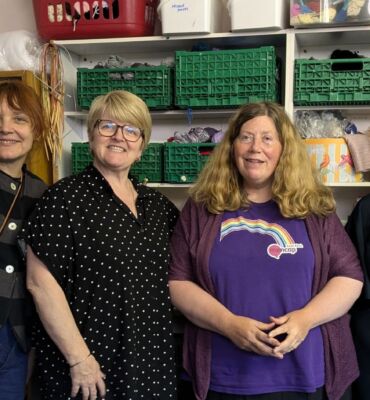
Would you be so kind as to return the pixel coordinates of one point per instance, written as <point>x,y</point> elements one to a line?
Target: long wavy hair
<point>296,187</point>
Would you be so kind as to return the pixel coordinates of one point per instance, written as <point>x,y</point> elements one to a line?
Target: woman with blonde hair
<point>263,270</point>
<point>97,263</point>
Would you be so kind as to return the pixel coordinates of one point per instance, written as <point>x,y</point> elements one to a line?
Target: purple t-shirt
<point>262,264</point>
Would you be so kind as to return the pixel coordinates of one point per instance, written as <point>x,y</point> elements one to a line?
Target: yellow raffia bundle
<point>52,98</point>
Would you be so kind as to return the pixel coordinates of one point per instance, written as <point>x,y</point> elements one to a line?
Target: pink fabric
<point>359,148</point>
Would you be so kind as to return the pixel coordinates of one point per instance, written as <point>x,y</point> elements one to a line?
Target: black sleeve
<point>358,229</point>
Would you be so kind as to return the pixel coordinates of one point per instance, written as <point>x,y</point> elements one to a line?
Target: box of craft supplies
<point>258,15</point>
<point>304,13</point>
<point>332,158</point>
<point>193,16</point>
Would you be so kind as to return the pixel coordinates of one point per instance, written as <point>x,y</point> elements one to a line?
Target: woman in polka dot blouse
<point>97,263</point>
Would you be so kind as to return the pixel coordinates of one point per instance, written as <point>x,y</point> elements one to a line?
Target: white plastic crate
<point>258,15</point>
<point>193,16</point>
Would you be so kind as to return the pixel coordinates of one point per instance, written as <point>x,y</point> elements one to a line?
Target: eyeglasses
<point>266,139</point>
<point>108,128</point>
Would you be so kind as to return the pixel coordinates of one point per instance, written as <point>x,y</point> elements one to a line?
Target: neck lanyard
<point>6,219</point>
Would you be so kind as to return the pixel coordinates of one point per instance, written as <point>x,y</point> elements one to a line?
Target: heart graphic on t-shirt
<point>274,250</point>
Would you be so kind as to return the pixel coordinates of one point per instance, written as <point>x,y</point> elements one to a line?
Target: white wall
<point>17,14</point>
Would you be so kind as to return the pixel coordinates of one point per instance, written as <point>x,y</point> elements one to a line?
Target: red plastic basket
<point>87,19</point>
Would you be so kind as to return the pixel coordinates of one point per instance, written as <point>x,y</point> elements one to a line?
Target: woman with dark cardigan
<point>263,271</point>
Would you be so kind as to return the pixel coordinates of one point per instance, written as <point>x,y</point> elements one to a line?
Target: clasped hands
<point>262,338</point>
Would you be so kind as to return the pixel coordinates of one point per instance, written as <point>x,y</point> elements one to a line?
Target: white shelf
<point>185,186</point>
<point>167,114</point>
<point>305,37</point>
<point>350,185</point>
<point>337,36</point>
<point>134,45</point>
<point>357,109</point>
<point>188,185</point>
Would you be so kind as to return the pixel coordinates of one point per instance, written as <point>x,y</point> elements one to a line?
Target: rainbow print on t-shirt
<point>283,241</point>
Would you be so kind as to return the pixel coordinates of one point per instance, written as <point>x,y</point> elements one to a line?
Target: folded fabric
<point>359,148</point>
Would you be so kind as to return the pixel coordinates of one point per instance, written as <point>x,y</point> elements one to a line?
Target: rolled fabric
<point>359,148</point>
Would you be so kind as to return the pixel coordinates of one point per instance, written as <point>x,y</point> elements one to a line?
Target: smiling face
<point>257,151</point>
<point>114,153</point>
<point>16,138</point>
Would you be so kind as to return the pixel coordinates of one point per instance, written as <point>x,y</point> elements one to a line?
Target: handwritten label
<point>180,7</point>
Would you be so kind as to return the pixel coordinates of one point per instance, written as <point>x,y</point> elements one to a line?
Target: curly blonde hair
<point>296,187</point>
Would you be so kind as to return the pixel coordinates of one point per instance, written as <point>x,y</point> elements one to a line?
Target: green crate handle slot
<point>347,65</point>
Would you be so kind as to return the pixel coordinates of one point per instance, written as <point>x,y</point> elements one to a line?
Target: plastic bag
<point>19,50</point>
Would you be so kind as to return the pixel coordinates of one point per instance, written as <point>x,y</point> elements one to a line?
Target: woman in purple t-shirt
<point>263,271</point>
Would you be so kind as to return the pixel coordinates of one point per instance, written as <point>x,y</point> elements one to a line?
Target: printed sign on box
<point>333,160</point>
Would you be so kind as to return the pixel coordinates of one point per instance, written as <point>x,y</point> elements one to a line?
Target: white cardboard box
<point>258,14</point>
<point>193,16</point>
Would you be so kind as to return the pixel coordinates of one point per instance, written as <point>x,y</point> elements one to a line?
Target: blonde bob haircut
<point>121,106</point>
<point>296,186</point>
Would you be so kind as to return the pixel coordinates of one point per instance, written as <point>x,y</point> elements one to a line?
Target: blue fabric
<point>13,366</point>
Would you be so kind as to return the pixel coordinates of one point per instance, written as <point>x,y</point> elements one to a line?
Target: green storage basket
<point>153,84</point>
<point>81,157</point>
<point>226,78</point>
<point>332,82</point>
<point>184,161</point>
<point>148,169</point>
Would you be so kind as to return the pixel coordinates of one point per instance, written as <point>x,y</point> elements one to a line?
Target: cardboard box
<point>332,158</point>
<point>258,15</point>
<point>193,16</point>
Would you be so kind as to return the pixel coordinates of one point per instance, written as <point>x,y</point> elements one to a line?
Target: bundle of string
<point>52,97</point>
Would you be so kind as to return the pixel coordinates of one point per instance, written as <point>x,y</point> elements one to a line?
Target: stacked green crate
<point>153,84</point>
<point>148,169</point>
<point>332,82</point>
<point>184,161</point>
<point>226,78</point>
<point>81,157</point>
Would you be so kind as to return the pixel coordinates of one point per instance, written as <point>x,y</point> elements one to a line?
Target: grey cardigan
<point>335,255</point>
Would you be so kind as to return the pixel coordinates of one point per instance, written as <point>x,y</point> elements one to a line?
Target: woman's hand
<point>295,325</point>
<point>87,377</point>
<point>251,335</point>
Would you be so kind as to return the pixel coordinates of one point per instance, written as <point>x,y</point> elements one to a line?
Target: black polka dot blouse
<point>113,269</point>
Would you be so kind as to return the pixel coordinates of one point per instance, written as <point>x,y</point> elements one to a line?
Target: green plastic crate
<point>81,157</point>
<point>184,161</point>
<point>153,84</point>
<point>226,78</point>
<point>148,169</point>
<point>332,82</point>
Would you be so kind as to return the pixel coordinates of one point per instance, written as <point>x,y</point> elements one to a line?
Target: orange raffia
<point>52,97</point>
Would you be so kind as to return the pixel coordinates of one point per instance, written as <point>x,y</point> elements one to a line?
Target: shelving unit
<point>290,44</point>
<point>320,43</point>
